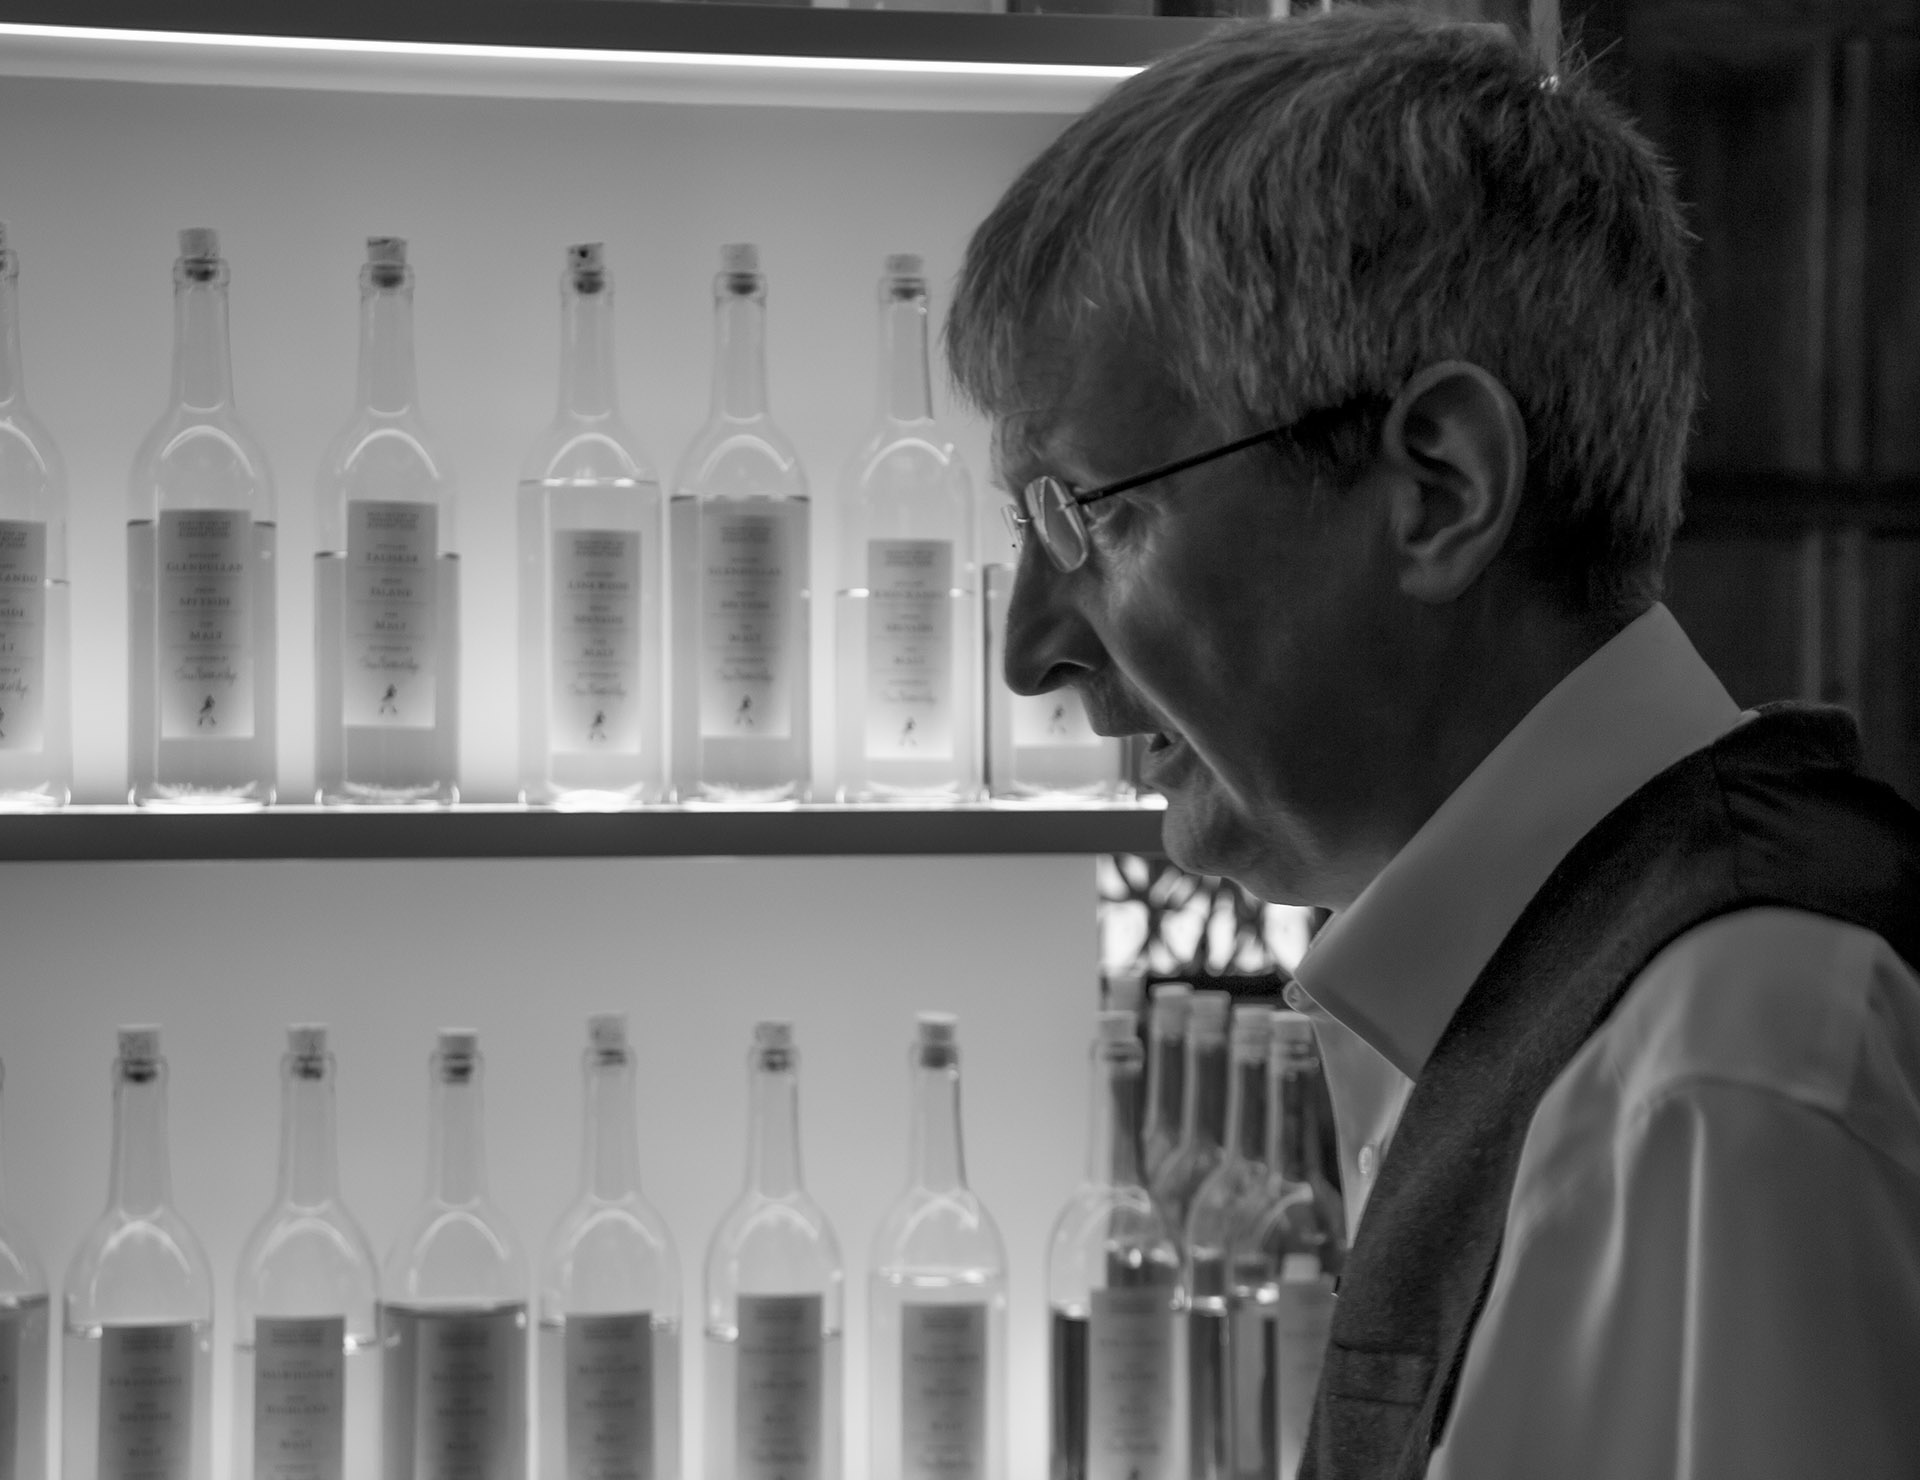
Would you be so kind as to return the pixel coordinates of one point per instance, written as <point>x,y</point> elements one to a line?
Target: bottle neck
<point>142,1177</point>
<point>610,1155</point>
<point>1203,1114</point>
<point>1297,1117</point>
<point>202,365</point>
<point>386,350</point>
<point>740,357</point>
<point>309,1160</point>
<point>906,392</point>
<point>9,329</point>
<point>773,1135</point>
<point>1247,1108</point>
<point>1113,1150</point>
<point>936,1161</point>
<point>587,387</point>
<point>1166,1092</point>
<point>457,1146</point>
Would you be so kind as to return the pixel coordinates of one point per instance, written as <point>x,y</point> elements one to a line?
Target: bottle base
<point>197,799</point>
<point>40,799</point>
<point>354,794</point>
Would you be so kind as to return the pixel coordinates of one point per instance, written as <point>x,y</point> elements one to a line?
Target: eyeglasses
<point>1051,507</point>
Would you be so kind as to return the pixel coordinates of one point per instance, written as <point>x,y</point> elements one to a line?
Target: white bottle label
<point>1054,718</point>
<point>943,1392</point>
<point>23,642</point>
<point>392,614</point>
<point>609,1385</point>
<point>747,588</point>
<point>1130,1378</point>
<point>596,641</point>
<point>1306,1316</point>
<point>467,1402</point>
<point>299,1398</point>
<point>909,650</point>
<point>779,1389</point>
<point>206,624</point>
<point>146,1403</point>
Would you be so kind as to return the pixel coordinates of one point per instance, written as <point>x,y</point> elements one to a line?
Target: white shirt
<point>1711,1262</point>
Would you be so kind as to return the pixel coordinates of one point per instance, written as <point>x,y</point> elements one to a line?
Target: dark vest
<point>1773,813</point>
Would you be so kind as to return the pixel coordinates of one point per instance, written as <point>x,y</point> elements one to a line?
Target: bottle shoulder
<point>139,1266</point>
<point>195,459</point>
<point>21,1272</point>
<point>389,458</point>
<point>741,458</point>
<point>33,473</point>
<point>455,1252</point>
<point>575,449</point>
<point>944,1229</point>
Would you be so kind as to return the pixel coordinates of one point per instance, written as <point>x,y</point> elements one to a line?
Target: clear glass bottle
<point>937,1296</point>
<point>453,1309</point>
<point>1117,1342</point>
<point>201,541</point>
<point>907,631</point>
<point>1232,1196</point>
<point>774,1293</point>
<point>137,1377</point>
<point>386,580</point>
<point>24,1350</point>
<point>609,1346</point>
<point>741,582</point>
<point>1283,1266</point>
<point>592,544</point>
<point>1203,1108</point>
<point>36,738</point>
<point>1166,1072</point>
<point>306,1358</point>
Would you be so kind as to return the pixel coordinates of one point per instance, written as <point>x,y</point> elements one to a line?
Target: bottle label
<point>943,1392</point>
<point>1130,1379</point>
<point>392,614</point>
<point>747,587</point>
<point>1306,1316</point>
<point>909,650</point>
<point>206,624</point>
<point>299,1398</point>
<point>1250,1370</point>
<point>596,641</point>
<point>1055,718</point>
<point>23,639</point>
<point>609,1385</point>
<point>468,1398</point>
<point>13,1359</point>
<point>779,1390</point>
<point>146,1402</point>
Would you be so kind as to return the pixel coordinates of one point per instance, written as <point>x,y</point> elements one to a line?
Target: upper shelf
<point>647,50</point>
<point>125,834</point>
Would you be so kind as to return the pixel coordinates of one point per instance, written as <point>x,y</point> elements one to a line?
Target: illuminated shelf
<point>125,834</point>
<point>600,49</point>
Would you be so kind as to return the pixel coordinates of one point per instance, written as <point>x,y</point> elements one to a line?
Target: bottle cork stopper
<point>307,1040</point>
<point>906,264</point>
<point>1116,1026</point>
<point>773,1034</point>
<point>457,1043</point>
<point>1292,1027</point>
<point>740,257</point>
<point>587,256</point>
<point>1210,1011</point>
<point>607,1032</point>
<point>387,251</point>
<point>140,1043</point>
<point>936,1029</point>
<point>199,241</point>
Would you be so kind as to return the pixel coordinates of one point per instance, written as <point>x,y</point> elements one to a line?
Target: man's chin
<point>1205,834</point>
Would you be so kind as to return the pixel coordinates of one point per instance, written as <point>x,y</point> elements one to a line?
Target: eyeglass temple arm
<point>1169,469</point>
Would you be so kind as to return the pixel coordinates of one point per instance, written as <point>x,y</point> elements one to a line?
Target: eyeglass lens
<point>1057,515</point>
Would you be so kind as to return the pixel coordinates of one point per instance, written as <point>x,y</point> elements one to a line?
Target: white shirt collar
<point>1397,963</point>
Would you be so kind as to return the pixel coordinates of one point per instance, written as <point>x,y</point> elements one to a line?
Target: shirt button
<point>1294,997</point>
<point>1369,1159</point>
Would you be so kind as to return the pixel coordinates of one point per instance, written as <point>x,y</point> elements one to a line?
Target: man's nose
<point>1049,641</point>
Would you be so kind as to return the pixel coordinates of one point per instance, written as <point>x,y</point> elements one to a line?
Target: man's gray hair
<point>1297,215</point>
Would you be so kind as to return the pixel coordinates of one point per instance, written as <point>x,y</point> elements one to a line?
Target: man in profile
<point>1341,373</point>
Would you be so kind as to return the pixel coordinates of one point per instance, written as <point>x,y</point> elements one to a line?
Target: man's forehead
<point>1105,401</point>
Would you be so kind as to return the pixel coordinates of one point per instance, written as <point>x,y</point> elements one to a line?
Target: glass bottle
<point>453,1310</point>
<point>201,539</point>
<point>1117,1348</point>
<point>36,739</point>
<point>773,1298</point>
<point>1283,1267</point>
<point>24,1354</point>
<point>609,1347</point>
<point>906,629</point>
<point>592,538</point>
<point>1233,1194</point>
<point>306,1359</point>
<point>937,1296</point>
<point>1203,1108</point>
<point>741,584</point>
<point>386,580</point>
<point>1166,1071</point>
<point>137,1377</point>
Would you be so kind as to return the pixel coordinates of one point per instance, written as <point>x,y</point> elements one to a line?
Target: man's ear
<point>1455,449</point>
